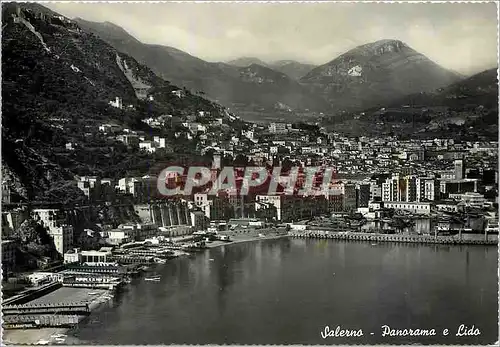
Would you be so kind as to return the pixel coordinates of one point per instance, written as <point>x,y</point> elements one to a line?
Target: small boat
<point>93,293</point>
<point>211,259</point>
<point>374,244</point>
<point>42,342</point>
<point>262,235</point>
<point>153,278</point>
<point>58,336</point>
<point>60,340</point>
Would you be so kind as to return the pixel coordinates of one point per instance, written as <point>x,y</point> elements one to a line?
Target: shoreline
<point>33,336</point>
<point>394,238</point>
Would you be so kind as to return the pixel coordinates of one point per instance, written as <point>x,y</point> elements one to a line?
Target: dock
<point>422,239</point>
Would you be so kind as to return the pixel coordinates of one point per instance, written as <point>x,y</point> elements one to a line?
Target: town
<point>428,190</point>
<point>191,188</point>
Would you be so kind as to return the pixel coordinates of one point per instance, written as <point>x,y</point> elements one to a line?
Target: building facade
<point>414,207</point>
<point>55,222</point>
<point>8,257</point>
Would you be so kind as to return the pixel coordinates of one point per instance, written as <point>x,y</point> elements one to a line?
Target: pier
<point>423,239</point>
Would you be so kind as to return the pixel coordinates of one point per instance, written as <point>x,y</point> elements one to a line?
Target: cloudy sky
<point>460,36</point>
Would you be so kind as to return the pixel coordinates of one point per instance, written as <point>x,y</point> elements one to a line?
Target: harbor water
<point>286,291</point>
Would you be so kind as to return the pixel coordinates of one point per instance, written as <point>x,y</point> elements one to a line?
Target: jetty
<point>422,239</point>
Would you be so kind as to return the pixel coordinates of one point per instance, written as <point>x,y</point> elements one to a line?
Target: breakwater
<point>423,239</point>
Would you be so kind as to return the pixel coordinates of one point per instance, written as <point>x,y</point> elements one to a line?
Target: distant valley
<point>293,69</point>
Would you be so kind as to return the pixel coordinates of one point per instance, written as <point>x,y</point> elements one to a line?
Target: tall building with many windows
<point>390,189</point>
<point>427,189</point>
<point>363,195</point>
<point>399,188</point>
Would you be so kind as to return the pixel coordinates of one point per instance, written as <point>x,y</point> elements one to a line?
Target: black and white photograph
<point>249,173</point>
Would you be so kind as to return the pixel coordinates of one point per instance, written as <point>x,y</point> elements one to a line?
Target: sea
<point>300,291</point>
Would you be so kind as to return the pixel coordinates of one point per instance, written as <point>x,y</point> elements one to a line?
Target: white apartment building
<point>375,191</point>
<point>390,189</point>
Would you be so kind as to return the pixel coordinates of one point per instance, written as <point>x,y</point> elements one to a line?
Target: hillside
<point>374,74</point>
<point>467,109</point>
<point>479,89</point>
<point>57,82</point>
<point>223,82</point>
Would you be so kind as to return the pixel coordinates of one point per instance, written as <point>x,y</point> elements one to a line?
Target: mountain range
<point>368,75</point>
<point>249,90</point>
<point>376,73</point>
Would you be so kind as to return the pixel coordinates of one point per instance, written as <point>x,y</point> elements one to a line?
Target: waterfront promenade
<point>403,238</point>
